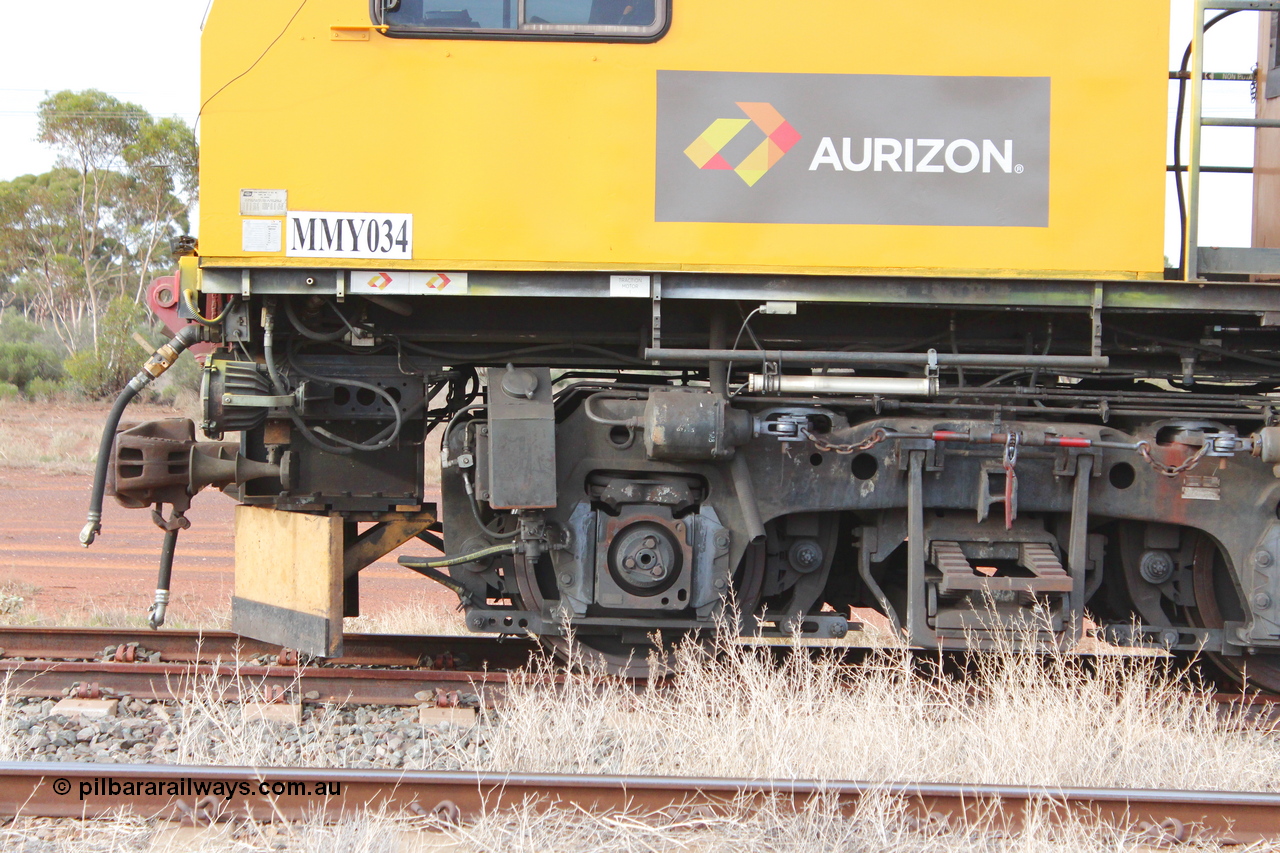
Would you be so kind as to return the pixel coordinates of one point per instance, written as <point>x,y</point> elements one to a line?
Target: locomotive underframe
<point>801,513</point>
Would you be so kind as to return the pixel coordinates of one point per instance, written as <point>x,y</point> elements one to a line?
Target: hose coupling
<point>92,527</point>
<point>155,616</point>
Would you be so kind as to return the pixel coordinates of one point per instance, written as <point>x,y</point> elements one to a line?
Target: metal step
<point>958,576</point>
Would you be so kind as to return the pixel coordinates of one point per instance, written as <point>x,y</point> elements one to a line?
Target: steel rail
<point>60,661</point>
<point>51,789</point>
<point>212,646</point>
<point>243,682</point>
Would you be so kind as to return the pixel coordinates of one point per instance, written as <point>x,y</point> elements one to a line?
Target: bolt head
<point>226,398</point>
<point>566,578</point>
<point>1156,567</point>
<point>1263,558</point>
<point>1261,601</point>
<point>720,584</point>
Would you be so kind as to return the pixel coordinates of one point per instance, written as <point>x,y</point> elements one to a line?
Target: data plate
<point>264,202</point>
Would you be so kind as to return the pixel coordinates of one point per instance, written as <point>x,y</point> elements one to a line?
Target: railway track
<point>391,670</point>
<point>378,669</point>
<point>44,789</point>
<point>175,646</point>
<point>382,669</point>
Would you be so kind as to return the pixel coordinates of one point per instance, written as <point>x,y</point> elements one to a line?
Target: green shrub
<point>47,389</point>
<point>105,371</point>
<point>21,362</point>
<point>14,328</point>
<point>9,391</point>
<point>182,378</point>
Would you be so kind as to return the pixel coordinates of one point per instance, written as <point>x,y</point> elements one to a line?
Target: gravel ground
<point>163,733</point>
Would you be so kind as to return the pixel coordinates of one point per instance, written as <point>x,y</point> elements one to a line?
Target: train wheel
<point>1217,603</point>
<point>623,656</point>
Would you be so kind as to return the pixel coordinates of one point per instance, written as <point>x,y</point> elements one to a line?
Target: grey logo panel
<point>852,149</point>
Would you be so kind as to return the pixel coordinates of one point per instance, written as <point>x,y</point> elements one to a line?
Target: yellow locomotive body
<point>522,153</point>
<point>724,316</point>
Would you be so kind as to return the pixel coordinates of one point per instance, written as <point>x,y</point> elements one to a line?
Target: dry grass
<point>371,833</point>
<point>208,728</point>
<point>63,437</point>
<point>420,618</point>
<point>16,609</point>
<point>879,824</point>
<point>1019,719</point>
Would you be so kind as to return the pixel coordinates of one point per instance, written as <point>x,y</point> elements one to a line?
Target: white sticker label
<point>629,285</point>
<point>312,234</point>
<point>260,235</point>
<point>264,202</point>
<point>1193,493</point>
<point>399,282</point>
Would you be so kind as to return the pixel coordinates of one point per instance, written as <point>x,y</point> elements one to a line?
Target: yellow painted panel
<point>290,560</point>
<point>541,155</point>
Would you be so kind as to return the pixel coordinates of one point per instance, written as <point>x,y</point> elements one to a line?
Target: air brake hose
<point>459,559</point>
<point>161,360</point>
<point>155,617</point>
<point>431,568</point>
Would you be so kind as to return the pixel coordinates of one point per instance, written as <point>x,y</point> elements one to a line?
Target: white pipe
<point>884,386</point>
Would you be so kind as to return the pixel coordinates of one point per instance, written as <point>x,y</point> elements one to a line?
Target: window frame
<point>662,11</point>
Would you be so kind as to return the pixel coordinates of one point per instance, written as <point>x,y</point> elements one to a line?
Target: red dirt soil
<point>42,560</point>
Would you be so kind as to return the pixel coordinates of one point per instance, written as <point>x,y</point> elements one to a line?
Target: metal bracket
<point>341,285</point>
<point>1066,460</point>
<point>986,498</point>
<point>1078,547</point>
<point>655,300</point>
<point>918,631</point>
<point>907,445</point>
<point>244,284</point>
<point>783,425</point>
<point>264,401</point>
<point>1095,319</point>
<point>235,327</point>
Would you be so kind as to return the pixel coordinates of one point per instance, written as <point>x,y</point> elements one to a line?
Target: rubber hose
<point>277,385</point>
<point>156,617</point>
<point>302,329</point>
<point>443,562</point>
<point>159,362</point>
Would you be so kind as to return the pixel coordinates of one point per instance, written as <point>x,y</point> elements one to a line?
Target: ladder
<point>1199,261</point>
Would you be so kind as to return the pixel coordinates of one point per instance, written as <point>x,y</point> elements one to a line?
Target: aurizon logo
<point>779,138</point>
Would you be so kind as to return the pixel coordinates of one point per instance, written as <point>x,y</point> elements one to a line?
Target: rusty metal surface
<point>33,789</point>
<point>210,646</point>
<point>230,683</point>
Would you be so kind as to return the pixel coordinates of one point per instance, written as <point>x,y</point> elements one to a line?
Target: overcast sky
<point>147,52</point>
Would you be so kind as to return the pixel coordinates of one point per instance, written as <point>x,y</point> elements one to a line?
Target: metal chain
<point>877,436</point>
<point>1011,441</point>
<point>1173,470</point>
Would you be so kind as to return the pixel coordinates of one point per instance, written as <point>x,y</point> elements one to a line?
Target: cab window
<point>620,20</point>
